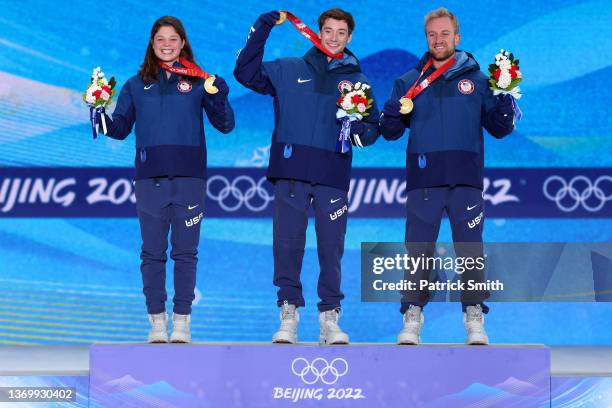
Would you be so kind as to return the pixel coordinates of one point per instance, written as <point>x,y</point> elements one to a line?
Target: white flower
<point>506,53</point>
<point>498,57</point>
<point>365,86</point>
<point>101,75</point>
<point>347,104</point>
<point>104,81</point>
<point>358,85</point>
<point>361,108</point>
<point>505,64</point>
<point>90,99</point>
<point>504,79</point>
<point>501,51</point>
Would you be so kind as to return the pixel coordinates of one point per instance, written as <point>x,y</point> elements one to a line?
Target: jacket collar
<point>464,62</point>
<point>318,60</point>
<point>162,77</point>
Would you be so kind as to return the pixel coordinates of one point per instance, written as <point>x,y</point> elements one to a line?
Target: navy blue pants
<point>464,206</point>
<point>174,206</point>
<point>291,202</point>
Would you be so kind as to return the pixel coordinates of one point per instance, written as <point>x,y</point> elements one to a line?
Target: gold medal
<point>407,105</point>
<point>282,18</point>
<point>209,87</point>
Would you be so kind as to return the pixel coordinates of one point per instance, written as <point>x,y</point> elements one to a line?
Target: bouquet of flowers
<point>505,74</point>
<point>353,104</point>
<point>98,95</point>
<point>505,77</point>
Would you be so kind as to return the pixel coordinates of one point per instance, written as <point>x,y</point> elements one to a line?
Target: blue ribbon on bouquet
<point>93,117</point>
<point>343,144</point>
<point>518,114</point>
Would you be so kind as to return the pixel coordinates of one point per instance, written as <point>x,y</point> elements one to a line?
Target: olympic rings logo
<point>576,197</point>
<point>243,190</point>
<point>319,369</point>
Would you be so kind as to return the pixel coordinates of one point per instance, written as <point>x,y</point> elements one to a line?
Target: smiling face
<point>441,39</point>
<point>334,35</point>
<point>167,44</point>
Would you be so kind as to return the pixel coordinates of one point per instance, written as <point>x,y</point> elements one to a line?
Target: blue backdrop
<point>71,274</point>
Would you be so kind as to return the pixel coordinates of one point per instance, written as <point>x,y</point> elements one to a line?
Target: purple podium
<point>265,375</point>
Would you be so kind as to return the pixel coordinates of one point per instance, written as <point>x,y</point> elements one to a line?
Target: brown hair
<point>442,12</point>
<point>150,67</point>
<point>337,14</point>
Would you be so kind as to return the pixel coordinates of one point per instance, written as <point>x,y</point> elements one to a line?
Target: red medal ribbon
<point>311,35</point>
<point>415,90</point>
<point>190,69</point>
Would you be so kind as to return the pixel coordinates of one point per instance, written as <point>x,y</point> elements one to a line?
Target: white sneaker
<point>473,320</point>
<point>180,328</point>
<point>413,322</point>
<point>331,333</point>
<point>159,328</point>
<point>289,318</point>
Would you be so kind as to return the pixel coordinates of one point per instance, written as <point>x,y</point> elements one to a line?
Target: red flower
<point>107,89</point>
<point>340,99</point>
<point>357,99</point>
<point>97,93</point>
<point>496,74</point>
<point>513,70</point>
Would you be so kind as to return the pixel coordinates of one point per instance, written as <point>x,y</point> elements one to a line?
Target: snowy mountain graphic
<point>123,384</point>
<point>484,396</point>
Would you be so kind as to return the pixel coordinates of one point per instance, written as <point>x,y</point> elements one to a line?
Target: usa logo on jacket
<point>348,85</point>
<point>183,86</point>
<point>465,86</point>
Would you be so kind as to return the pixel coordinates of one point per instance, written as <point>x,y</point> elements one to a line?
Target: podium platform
<point>359,375</point>
<point>258,375</point>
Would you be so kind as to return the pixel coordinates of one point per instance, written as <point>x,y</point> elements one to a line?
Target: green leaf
<point>112,82</point>
<point>514,83</point>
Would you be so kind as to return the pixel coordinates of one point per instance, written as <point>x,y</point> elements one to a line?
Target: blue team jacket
<point>169,130</point>
<point>305,92</point>
<point>445,146</point>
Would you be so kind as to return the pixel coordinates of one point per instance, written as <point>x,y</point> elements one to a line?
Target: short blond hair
<point>442,12</point>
